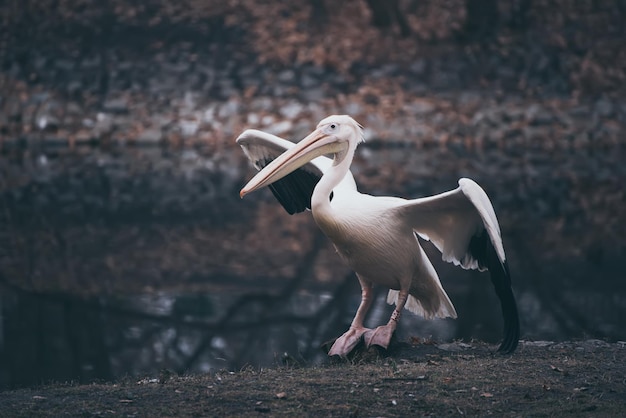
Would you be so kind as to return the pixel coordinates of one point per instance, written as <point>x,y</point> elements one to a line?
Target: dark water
<point>127,262</point>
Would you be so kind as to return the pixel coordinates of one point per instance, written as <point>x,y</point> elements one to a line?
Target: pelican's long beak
<point>315,144</point>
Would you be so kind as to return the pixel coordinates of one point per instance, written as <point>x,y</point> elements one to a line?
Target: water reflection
<point>62,338</point>
<point>47,337</point>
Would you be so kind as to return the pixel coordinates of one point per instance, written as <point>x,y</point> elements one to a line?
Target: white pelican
<point>377,236</point>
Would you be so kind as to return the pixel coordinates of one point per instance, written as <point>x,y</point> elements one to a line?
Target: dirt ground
<point>583,378</point>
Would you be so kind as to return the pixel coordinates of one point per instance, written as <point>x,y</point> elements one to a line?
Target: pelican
<point>377,235</point>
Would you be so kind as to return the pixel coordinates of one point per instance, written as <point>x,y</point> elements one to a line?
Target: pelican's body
<point>381,249</point>
<point>377,236</point>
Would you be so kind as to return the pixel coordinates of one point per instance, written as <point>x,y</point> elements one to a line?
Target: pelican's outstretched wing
<point>462,224</point>
<point>294,190</point>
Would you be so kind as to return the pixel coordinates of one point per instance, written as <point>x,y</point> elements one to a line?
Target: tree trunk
<point>387,13</point>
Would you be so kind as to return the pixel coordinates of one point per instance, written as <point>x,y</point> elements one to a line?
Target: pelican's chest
<point>362,235</point>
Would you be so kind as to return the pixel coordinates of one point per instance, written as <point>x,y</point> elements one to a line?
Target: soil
<point>583,378</point>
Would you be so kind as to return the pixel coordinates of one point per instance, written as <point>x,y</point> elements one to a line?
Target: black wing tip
<point>505,350</point>
<point>511,329</point>
<point>508,347</point>
<point>293,191</point>
<point>483,251</point>
<point>501,280</point>
<point>509,312</point>
<point>284,200</point>
<point>510,342</point>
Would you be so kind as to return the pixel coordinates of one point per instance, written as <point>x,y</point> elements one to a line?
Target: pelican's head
<point>336,134</point>
<point>342,128</point>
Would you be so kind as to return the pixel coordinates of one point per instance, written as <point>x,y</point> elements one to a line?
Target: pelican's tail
<point>445,309</point>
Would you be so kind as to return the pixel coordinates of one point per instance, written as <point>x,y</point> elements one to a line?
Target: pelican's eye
<point>331,128</point>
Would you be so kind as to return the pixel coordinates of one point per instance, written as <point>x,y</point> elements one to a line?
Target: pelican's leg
<point>382,335</point>
<point>346,343</point>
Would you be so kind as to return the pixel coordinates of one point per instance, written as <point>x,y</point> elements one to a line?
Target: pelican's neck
<point>320,200</point>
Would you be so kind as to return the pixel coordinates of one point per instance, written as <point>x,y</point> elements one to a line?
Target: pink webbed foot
<point>380,336</point>
<point>346,343</point>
